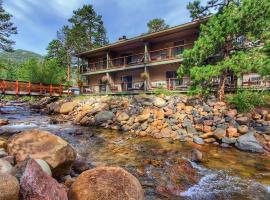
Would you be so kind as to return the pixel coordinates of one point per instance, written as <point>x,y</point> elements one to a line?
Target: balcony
<point>165,54</point>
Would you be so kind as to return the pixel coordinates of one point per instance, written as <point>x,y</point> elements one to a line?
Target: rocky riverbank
<point>175,117</point>
<point>39,165</point>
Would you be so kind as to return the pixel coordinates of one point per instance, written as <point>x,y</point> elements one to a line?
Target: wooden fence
<point>28,88</point>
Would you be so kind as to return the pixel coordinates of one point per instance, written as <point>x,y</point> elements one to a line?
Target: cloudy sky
<point>38,21</point>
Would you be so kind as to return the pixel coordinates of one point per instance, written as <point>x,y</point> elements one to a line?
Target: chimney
<point>122,38</point>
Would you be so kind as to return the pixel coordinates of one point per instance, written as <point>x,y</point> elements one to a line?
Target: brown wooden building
<point>121,66</point>
<point>118,67</point>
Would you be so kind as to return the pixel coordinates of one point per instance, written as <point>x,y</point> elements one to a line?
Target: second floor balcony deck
<point>172,54</point>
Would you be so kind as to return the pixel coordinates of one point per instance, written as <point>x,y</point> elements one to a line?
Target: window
<point>178,48</point>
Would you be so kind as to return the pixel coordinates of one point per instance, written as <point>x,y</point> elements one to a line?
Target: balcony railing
<point>164,54</point>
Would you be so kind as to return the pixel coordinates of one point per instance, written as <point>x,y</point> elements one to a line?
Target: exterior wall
<point>158,74</point>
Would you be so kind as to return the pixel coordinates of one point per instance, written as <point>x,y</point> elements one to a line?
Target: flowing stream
<point>162,166</point>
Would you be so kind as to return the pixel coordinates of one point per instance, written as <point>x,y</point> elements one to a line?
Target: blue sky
<point>38,21</point>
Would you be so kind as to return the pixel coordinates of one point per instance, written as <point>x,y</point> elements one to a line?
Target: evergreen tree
<point>7,28</point>
<point>87,30</point>
<point>234,40</point>
<point>156,24</point>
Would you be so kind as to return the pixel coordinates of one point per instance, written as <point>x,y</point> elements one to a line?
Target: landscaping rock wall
<point>175,117</point>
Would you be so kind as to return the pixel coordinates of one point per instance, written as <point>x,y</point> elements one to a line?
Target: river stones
<point>43,145</point>
<point>3,122</point>
<point>196,155</point>
<point>219,133</point>
<point>3,143</point>
<point>9,187</point>
<point>68,107</point>
<point>37,184</point>
<point>101,183</point>
<point>248,142</point>
<point>159,102</point>
<point>103,116</point>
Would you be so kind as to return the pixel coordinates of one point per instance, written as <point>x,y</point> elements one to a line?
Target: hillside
<point>20,56</point>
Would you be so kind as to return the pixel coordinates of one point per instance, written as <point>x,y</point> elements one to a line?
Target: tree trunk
<point>222,86</point>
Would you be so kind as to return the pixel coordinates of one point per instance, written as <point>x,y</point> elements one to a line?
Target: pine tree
<point>156,24</point>
<point>7,28</point>
<point>235,40</point>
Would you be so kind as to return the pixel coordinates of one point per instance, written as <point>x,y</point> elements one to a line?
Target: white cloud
<point>64,8</point>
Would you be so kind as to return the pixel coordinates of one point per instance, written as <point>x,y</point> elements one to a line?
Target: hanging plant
<point>145,76</point>
<point>104,80</point>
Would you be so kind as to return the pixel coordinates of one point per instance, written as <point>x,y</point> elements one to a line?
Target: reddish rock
<point>208,122</point>
<point>243,129</point>
<point>3,122</point>
<point>210,140</point>
<point>232,132</point>
<point>38,185</point>
<point>207,129</point>
<point>207,135</point>
<point>43,145</point>
<point>256,116</point>
<point>180,106</point>
<point>111,183</point>
<point>232,113</point>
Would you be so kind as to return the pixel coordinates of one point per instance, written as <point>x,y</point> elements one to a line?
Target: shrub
<point>246,101</point>
<point>162,90</point>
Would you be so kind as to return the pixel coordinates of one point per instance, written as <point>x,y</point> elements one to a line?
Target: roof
<point>144,37</point>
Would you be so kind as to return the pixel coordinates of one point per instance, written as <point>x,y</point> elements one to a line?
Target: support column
<point>146,60</point>
<point>108,59</point>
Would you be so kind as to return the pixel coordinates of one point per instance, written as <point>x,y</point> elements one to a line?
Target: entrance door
<point>127,82</point>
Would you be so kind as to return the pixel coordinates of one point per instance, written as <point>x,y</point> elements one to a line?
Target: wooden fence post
<point>29,88</point>
<point>60,90</point>
<point>17,88</point>
<point>51,90</point>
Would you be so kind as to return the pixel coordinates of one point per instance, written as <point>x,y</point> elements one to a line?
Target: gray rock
<point>243,120</point>
<point>159,102</point>
<point>198,140</point>
<point>225,145</point>
<point>144,126</point>
<point>219,133</point>
<point>228,140</point>
<point>248,142</point>
<point>3,153</point>
<point>5,167</point>
<point>207,108</point>
<point>103,116</point>
<point>187,122</point>
<point>191,130</point>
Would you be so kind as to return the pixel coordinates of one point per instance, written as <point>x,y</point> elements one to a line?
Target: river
<point>162,166</point>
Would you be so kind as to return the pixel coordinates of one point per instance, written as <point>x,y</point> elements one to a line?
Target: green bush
<point>162,90</point>
<point>246,101</point>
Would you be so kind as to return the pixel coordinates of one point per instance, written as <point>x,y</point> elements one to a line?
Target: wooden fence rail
<point>28,88</point>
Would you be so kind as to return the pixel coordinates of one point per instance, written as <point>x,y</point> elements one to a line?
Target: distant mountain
<point>20,56</point>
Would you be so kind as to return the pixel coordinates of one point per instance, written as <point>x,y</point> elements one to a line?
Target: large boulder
<point>37,184</point>
<point>103,116</point>
<point>43,145</point>
<point>9,187</point>
<point>248,142</point>
<point>112,183</point>
<point>68,107</point>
